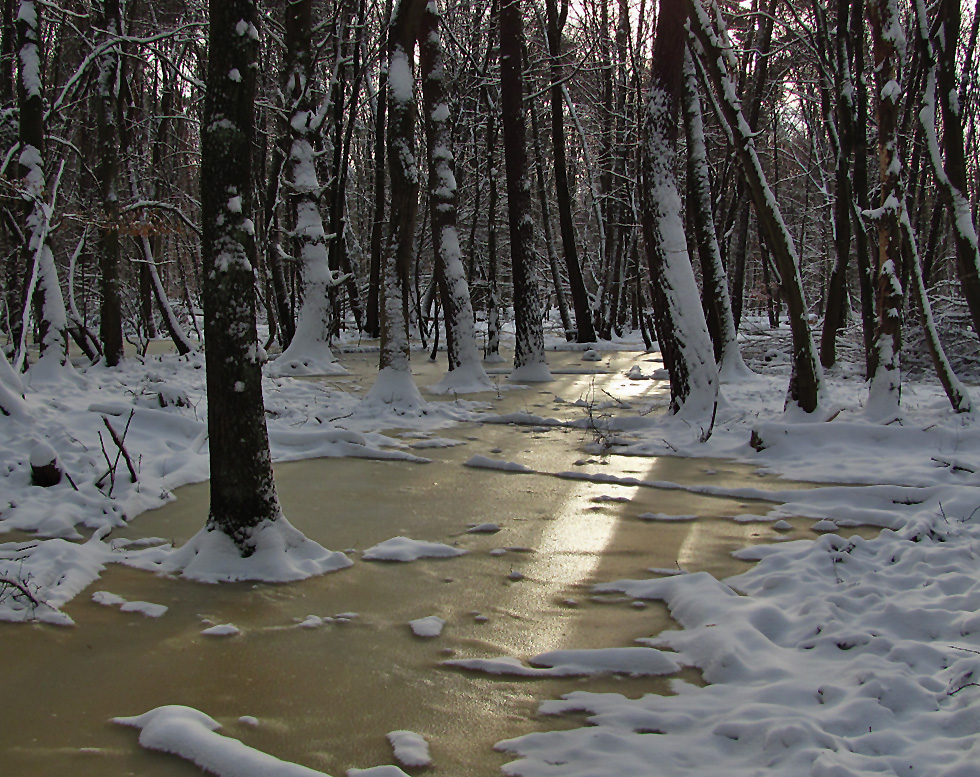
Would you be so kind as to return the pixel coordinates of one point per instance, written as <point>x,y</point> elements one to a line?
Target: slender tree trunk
<point>886,382</point>
<point>529,361</point>
<point>549,238</point>
<point>580,297</point>
<point>717,302</point>
<point>110,81</point>
<point>464,358</point>
<point>372,322</point>
<point>309,347</point>
<point>806,380</point>
<point>243,491</point>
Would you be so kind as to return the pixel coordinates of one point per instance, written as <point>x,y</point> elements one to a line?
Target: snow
<point>411,749</point>
<point>191,734</point>
<point>282,553</point>
<point>818,641</point>
<point>427,627</point>
<point>405,549</point>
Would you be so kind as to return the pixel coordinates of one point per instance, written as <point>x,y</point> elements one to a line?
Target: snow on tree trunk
<point>243,491</point>
<point>309,351</point>
<point>888,51</point>
<point>466,372</point>
<point>529,360</point>
<point>12,402</point>
<point>50,304</point>
<point>718,303</point>
<point>715,53</point>
<point>951,176</point>
<point>683,333</point>
<point>395,386</point>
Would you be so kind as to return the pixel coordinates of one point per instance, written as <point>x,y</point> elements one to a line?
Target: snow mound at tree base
<point>282,554</point>
<point>305,360</point>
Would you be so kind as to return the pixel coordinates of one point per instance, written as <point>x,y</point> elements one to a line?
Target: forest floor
<point>840,651</point>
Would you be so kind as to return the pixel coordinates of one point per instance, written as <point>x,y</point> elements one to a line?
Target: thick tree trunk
<point>46,290</point>
<point>529,361</point>
<point>683,333</point>
<point>403,167</point>
<point>243,492</point>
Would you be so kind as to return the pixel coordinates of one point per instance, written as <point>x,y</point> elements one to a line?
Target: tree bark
<point>806,380</point>
<point>886,383</point>
<point>243,492</point>
<point>529,361</point>
<point>443,198</point>
<point>683,333</point>
<point>110,78</point>
<point>585,333</point>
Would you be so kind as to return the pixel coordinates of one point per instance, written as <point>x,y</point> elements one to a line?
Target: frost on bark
<point>717,302</point>
<point>683,333</point>
<point>44,285</point>
<point>309,351</point>
<point>108,84</point>
<point>888,51</point>
<point>529,360</point>
<point>465,369</point>
<point>949,165</point>
<point>243,492</point>
<point>714,52</point>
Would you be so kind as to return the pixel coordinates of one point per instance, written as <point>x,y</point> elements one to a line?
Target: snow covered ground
<point>832,656</point>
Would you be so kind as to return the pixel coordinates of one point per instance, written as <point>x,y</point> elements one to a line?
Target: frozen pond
<point>327,696</point>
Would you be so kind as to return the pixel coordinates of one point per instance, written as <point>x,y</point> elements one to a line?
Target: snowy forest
<point>570,324</point>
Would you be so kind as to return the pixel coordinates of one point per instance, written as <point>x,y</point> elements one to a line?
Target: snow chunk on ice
<point>222,630</point>
<point>483,528</point>
<point>634,661</point>
<point>430,626</point>
<point>484,462</point>
<point>190,734</point>
<point>405,549</point>
<point>665,517</point>
<point>410,748</point>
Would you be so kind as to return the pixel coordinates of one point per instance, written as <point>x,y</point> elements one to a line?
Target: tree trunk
<point>308,349</point>
<point>952,176</point>
<point>806,380</point>
<point>403,166</point>
<point>580,297</point>
<point>529,361</point>
<point>110,79</point>
<point>243,491</point>
<point>464,358</point>
<point>717,302</point>
<point>886,382</point>
<point>683,333</point>
<point>52,318</point>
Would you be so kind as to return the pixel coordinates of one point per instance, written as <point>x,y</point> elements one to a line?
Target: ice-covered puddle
<point>321,672</point>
